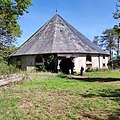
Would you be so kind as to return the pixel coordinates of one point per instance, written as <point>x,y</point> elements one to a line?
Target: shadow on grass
<point>97,79</point>
<point>112,94</point>
<point>115,115</point>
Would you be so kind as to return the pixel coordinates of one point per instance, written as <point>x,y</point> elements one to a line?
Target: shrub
<point>100,69</point>
<point>6,69</point>
<point>89,69</point>
<point>41,68</point>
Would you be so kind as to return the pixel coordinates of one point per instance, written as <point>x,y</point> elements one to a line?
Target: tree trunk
<point>110,54</point>
<point>118,46</point>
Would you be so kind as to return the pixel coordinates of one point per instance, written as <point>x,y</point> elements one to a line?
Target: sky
<point>90,17</point>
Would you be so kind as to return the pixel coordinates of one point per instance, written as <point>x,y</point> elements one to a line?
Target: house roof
<point>57,36</point>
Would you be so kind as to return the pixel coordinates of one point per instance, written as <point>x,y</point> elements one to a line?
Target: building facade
<point>58,40</point>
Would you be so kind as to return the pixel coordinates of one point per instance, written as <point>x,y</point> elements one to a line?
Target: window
<point>103,56</point>
<point>88,58</point>
<point>88,65</point>
<point>61,30</point>
<point>103,64</point>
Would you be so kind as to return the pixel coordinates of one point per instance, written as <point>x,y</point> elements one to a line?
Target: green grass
<point>50,97</point>
<point>110,74</point>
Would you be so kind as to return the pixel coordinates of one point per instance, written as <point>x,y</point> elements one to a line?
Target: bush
<point>100,69</point>
<point>41,68</point>
<point>6,69</point>
<point>90,69</point>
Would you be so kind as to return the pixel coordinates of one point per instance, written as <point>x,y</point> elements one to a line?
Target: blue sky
<point>90,17</point>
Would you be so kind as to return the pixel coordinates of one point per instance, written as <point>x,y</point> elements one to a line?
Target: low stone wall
<point>7,79</point>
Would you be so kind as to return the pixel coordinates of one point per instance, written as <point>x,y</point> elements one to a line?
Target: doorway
<point>66,64</point>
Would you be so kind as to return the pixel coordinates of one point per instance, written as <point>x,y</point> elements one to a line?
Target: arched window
<point>88,58</point>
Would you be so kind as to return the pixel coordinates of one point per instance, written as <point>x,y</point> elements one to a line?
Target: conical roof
<point>57,36</point>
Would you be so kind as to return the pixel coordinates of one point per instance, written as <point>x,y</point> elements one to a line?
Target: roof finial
<point>56,11</point>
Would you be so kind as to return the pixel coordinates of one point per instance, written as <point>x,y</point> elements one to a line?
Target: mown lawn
<point>50,97</point>
<point>110,74</point>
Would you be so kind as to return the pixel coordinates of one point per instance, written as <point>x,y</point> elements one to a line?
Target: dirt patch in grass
<point>26,105</point>
<point>55,104</point>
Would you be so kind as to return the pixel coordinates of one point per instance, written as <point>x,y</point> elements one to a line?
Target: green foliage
<point>108,41</point>
<point>5,69</point>
<point>10,11</point>
<point>116,62</point>
<point>5,51</point>
<point>100,69</point>
<point>90,69</point>
<point>41,68</point>
<point>49,62</point>
<point>116,14</point>
<point>117,31</point>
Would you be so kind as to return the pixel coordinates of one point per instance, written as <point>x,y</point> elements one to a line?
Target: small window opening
<point>61,30</point>
<point>88,58</point>
<point>103,64</point>
<point>103,56</point>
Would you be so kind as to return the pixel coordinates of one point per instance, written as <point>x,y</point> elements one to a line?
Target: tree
<point>116,14</point>
<point>108,41</point>
<point>96,40</point>
<point>117,30</point>
<point>10,11</point>
<point>5,51</point>
<point>116,62</point>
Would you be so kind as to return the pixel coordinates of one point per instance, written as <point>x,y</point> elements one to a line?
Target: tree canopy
<point>10,12</point>
<point>116,14</point>
<point>107,41</point>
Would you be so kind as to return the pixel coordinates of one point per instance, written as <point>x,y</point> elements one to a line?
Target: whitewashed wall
<point>28,62</point>
<point>97,62</point>
<point>80,61</point>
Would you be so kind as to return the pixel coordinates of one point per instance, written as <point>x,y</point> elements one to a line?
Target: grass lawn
<point>48,96</point>
<point>110,74</point>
